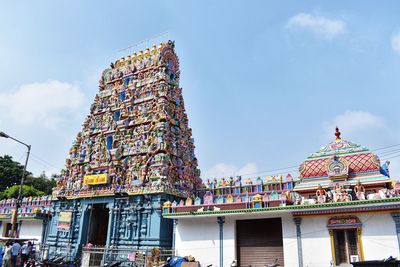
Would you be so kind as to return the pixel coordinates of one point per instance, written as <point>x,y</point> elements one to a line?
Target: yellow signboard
<point>95,179</point>
<point>65,216</point>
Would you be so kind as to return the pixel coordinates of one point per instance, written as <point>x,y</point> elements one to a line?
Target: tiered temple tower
<point>134,152</point>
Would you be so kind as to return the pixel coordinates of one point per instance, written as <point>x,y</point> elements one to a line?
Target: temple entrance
<point>98,225</point>
<point>259,242</point>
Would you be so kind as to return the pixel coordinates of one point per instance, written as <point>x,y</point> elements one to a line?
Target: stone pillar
<point>297,221</point>
<point>396,218</point>
<point>221,221</point>
<point>175,224</point>
<point>44,231</point>
<point>110,228</point>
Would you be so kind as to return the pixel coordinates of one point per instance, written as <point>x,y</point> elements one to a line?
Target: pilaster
<point>221,221</point>
<point>297,221</point>
<point>396,218</point>
<point>175,225</point>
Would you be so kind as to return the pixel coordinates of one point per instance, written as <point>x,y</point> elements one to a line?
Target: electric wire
<point>295,167</point>
<point>389,152</point>
<point>44,161</point>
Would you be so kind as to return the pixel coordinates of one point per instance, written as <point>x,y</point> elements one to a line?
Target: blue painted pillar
<point>221,221</point>
<point>110,207</point>
<point>396,218</point>
<point>297,221</point>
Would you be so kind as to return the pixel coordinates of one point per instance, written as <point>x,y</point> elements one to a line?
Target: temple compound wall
<point>34,215</point>
<point>343,208</point>
<point>134,153</point>
<point>200,237</point>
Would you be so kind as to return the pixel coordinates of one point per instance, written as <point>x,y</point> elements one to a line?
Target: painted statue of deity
<point>321,194</point>
<point>359,191</point>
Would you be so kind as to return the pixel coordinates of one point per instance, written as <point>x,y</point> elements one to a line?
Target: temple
<point>135,151</point>
<point>333,214</point>
<point>131,184</point>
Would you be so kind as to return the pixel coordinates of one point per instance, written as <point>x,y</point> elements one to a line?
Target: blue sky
<point>264,83</point>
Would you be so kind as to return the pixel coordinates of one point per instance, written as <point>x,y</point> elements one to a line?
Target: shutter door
<point>259,242</point>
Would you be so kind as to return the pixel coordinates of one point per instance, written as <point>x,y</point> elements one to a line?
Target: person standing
<point>15,248</point>
<point>7,255</point>
<point>24,254</point>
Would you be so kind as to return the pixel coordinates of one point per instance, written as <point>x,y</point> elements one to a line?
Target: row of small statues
<point>34,201</point>
<point>340,193</point>
<point>248,181</point>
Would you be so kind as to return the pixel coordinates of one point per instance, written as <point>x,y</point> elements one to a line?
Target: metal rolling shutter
<point>259,242</point>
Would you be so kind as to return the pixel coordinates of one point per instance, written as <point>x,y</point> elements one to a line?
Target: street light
<point>14,218</point>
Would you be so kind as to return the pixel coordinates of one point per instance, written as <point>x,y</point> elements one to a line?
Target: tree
<point>41,183</point>
<point>10,172</point>
<point>10,178</point>
<point>27,191</point>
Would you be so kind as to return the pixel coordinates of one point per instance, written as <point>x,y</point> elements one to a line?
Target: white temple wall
<point>289,241</point>
<point>200,238</point>
<point>316,242</point>
<point>31,229</point>
<point>379,236</point>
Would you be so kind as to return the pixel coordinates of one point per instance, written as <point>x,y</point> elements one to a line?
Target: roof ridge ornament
<point>337,134</point>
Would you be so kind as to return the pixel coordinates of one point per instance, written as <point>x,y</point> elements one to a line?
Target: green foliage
<point>12,192</point>
<point>41,184</point>
<point>10,172</point>
<point>10,178</point>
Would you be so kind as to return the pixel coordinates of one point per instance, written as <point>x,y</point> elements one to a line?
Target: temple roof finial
<point>337,134</point>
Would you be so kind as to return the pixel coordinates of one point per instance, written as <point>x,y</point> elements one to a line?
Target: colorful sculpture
<point>359,191</point>
<point>321,194</point>
<point>137,132</point>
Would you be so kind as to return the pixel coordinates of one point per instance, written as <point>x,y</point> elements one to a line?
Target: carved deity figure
<point>321,194</point>
<point>341,194</point>
<point>337,196</point>
<point>359,190</point>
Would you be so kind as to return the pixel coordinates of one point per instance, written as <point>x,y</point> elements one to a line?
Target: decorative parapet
<point>237,196</point>
<point>31,208</point>
<point>389,205</point>
<point>221,195</point>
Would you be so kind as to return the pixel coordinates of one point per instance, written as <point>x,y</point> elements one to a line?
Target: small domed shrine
<point>342,163</point>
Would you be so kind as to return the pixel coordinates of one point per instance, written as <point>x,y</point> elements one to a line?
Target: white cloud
<point>353,122</point>
<point>395,42</point>
<point>369,130</point>
<point>319,25</point>
<point>44,103</point>
<point>225,170</point>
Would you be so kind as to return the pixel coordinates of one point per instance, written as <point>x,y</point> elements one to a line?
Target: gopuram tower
<point>135,152</point>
